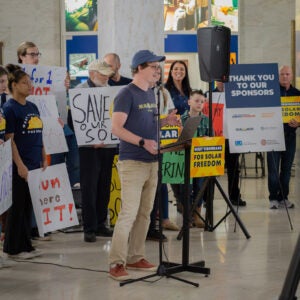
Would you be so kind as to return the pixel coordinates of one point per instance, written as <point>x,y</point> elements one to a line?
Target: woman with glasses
<point>28,53</point>
<point>24,128</point>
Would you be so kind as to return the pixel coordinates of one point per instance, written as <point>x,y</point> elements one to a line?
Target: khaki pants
<point>138,188</point>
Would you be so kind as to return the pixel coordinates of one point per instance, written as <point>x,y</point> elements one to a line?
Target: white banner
<point>49,80</point>
<point>52,198</point>
<point>91,112</point>
<point>5,176</point>
<point>53,133</point>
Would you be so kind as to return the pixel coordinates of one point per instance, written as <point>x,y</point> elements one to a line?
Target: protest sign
<point>114,205</point>
<point>53,135</point>
<point>290,108</point>
<point>207,156</point>
<point>254,112</point>
<point>218,113</point>
<point>52,198</point>
<point>5,176</point>
<point>91,113</point>
<point>49,80</point>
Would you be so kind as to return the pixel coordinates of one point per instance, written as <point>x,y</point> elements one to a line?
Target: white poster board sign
<point>49,80</point>
<point>5,176</point>
<point>254,111</point>
<point>91,113</point>
<point>52,198</point>
<point>53,134</point>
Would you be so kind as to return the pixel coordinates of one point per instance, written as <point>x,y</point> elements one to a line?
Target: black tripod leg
<point>232,210</point>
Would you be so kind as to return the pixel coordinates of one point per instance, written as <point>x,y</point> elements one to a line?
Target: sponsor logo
<point>244,129</point>
<point>243,116</point>
<point>265,142</point>
<point>268,128</point>
<point>268,114</point>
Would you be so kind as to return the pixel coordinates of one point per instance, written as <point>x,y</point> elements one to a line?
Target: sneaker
<point>142,265</point>
<point>46,238</point>
<point>6,263</point>
<point>288,204</point>
<point>274,204</point>
<point>89,237</point>
<point>25,255</point>
<point>154,235</point>
<point>104,231</point>
<point>239,202</point>
<point>119,273</point>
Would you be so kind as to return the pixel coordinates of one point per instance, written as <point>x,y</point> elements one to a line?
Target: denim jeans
<point>279,169</point>
<point>138,188</point>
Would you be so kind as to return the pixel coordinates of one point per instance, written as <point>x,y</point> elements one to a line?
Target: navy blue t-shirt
<point>140,106</point>
<point>25,123</point>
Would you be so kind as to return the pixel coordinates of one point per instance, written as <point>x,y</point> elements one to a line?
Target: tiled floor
<point>241,268</point>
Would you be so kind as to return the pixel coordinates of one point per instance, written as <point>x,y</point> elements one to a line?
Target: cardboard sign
<point>207,156</point>
<point>114,205</point>
<point>5,176</point>
<point>52,198</point>
<point>91,112</point>
<point>49,80</point>
<point>173,167</point>
<point>53,134</point>
<point>290,108</point>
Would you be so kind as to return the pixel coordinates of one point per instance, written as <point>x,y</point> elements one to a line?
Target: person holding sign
<point>113,60</point>
<point>280,162</point>
<point>134,121</point>
<point>24,128</point>
<point>96,168</point>
<point>196,102</point>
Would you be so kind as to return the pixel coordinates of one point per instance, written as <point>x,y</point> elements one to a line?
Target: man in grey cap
<point>96,168</point>
<point>134,121</point>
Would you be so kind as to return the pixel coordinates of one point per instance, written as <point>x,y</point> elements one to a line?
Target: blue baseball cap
<point>144,56</point>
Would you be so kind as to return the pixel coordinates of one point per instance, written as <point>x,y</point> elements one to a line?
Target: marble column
<point>126,26</point>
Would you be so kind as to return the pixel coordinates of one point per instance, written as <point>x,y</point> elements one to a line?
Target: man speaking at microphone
<point>134,121</point>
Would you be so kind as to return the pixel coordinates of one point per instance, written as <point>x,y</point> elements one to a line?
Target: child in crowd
<point>195,102</point>
<point>24,128</point>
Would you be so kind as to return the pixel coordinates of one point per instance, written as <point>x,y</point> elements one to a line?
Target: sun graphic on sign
<point>34,123</point>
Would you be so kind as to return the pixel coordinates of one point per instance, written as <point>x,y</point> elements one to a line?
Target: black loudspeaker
<point>214,53</point>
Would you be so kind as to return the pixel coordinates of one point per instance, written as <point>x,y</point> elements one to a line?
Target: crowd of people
<point>135,123</point>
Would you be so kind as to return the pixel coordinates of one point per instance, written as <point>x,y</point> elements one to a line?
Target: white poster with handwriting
<point>91,112</point>
<point>53,135</point>
<point>52,198</point>
<point>49,80</point>
<point>5,176</point>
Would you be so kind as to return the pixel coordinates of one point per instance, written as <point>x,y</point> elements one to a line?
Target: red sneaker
<point>119,273</point>
<point>142,265</point>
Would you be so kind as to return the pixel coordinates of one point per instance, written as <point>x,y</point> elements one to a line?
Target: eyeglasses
<point>154,67</point>
<point>33,55</point>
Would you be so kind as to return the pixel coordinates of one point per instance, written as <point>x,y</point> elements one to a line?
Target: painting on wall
<point>81,15</point>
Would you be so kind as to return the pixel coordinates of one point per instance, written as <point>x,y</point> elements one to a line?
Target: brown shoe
<point>168,225</point>
<point>142,265</point>
<point>119,273</point>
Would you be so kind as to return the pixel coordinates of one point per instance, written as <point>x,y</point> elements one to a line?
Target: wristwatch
<point>141,142</point>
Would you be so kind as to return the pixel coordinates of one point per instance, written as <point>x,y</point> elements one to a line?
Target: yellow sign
<point>114,205</point>
<point>207,156</point>
<point>169,134</point>
<point>290,108</point>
